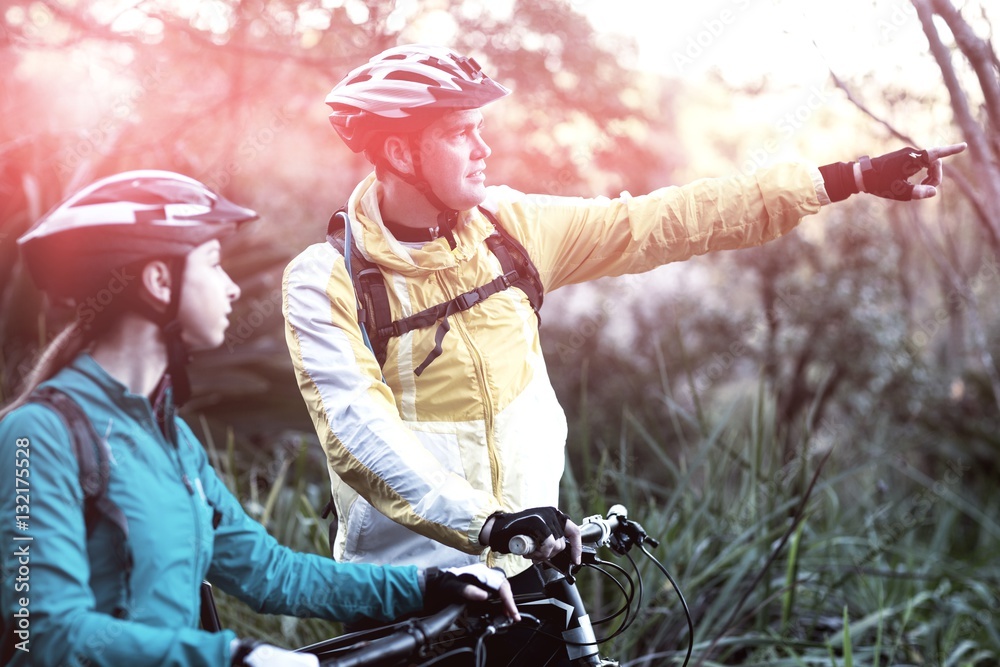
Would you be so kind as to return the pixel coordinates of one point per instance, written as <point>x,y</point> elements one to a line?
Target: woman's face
<point>206,298</point>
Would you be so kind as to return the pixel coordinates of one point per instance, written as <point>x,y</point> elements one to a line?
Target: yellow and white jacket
<point>419,463</point>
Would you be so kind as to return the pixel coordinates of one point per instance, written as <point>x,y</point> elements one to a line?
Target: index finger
<point>471,592</point>
<point>507,597</point>
<point>572,532</point>
<point>939,152</point>
<point>548,548</point>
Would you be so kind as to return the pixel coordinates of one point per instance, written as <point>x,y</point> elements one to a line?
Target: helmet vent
<point>404,89</point>
<point>413,77</point>
<point>150,215</point>
<point>360,79</point>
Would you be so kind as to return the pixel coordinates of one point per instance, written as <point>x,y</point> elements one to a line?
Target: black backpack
<point>374,315</point>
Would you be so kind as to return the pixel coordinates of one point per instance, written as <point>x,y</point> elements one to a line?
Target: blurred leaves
<point>873,318</point>
<point>231,92</point>
<point>871,333</point>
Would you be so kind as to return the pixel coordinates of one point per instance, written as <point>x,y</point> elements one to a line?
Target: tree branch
<point>871,114</point>
<point>961,287</point>
<point>103,32</point>
<point>979,54</point>
<point>979,147</point>
<point>960,180</point>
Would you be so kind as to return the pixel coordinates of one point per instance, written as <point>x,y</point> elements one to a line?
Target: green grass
<point>845,555</point>
<point>834,558</point>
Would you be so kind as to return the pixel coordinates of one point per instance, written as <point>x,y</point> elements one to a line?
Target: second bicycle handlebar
<point>409,640</point>
<point>594,530</point>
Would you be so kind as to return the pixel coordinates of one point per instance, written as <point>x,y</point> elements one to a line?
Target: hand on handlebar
<point>472,582</point>
<point>550,531</point>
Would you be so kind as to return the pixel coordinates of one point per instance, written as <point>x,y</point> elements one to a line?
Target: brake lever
<point>628,534</point>
<point>561,562</point>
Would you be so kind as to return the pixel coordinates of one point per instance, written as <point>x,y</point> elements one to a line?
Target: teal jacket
<point>64,590</point>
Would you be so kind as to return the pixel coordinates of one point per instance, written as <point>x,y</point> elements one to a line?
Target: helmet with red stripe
<point>121,220</point>
<point>404,89</point>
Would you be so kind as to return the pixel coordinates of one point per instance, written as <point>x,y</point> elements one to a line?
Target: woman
<point>138,253</point>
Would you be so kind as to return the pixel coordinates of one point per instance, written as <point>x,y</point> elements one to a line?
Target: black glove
<point>537,523</point>
<point>885,176</point>
<point>444,587</point>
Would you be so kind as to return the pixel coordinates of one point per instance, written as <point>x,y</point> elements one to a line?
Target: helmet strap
<point>176,378</point>
<point>164,408</point>
<point>177,352</point>
<point>447,216</point>
<point>177,360</point>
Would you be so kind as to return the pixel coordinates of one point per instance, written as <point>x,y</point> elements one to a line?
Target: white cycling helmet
<point>405,88</point>
<point>123,219</point>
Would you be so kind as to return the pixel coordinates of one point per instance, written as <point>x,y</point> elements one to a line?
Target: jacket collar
<point>87,377</point>
<point>378,245</point>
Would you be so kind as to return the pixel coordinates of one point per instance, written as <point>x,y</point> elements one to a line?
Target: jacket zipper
<point>178,462</point>
<point>487,399</point>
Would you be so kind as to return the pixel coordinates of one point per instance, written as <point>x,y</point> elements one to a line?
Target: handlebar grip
<point>520,545</point>
<point>590,533</point>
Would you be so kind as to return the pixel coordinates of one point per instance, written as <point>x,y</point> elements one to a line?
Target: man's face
<point>453,158</point>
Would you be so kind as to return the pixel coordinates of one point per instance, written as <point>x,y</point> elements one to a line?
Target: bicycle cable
<point>629,598</point>
<point>626,608</point>
<point>625,594</point>
<point>684,604</point>
<point>629,621</point>
<point>481,650</point>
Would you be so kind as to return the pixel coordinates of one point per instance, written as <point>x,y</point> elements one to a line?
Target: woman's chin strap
<point>178,356</point>
<point>177,361</point>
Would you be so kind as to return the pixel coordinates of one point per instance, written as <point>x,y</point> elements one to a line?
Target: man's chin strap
<point>447,217</point>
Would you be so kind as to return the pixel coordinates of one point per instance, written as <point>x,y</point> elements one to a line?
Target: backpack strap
<point>369,286</point>
<point>510,252</point>
<point>373,299</point>
<point>443,311</point>
<point>95,472</point>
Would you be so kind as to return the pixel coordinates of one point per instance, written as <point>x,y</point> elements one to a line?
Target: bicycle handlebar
<point>415,639</point>
<point>406,641</point>
<point>594,531</point>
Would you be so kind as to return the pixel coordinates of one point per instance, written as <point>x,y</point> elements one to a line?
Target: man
<point>456,443</point>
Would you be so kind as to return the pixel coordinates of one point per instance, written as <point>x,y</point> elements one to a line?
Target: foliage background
<point>860,348</point>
